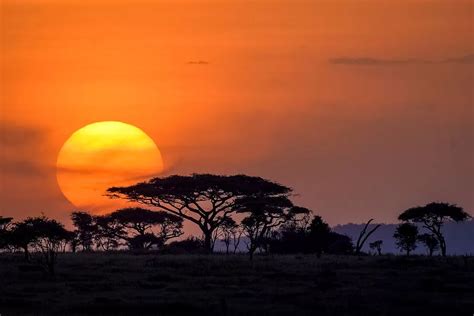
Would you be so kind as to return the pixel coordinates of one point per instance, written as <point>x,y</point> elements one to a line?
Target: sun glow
<point>101,155</point>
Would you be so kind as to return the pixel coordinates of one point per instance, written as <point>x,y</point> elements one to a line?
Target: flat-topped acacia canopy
<point>204,199</point>
<point>433,215</point>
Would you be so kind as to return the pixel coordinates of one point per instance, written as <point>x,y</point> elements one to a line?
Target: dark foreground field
<point>123,284</point>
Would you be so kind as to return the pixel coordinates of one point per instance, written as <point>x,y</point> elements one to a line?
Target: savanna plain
<point>124,283</point>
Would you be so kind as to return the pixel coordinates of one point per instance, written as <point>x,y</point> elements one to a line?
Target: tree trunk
<point>51,262</point>
<point>251,252</point>
<point>442,243</point>
<point>208,242</point>
<point>27,254</point>
<point>442,246</point>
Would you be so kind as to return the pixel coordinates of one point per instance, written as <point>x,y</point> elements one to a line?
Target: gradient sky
<point>365,108</point>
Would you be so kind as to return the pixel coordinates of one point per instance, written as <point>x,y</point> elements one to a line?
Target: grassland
<point>153,284</point>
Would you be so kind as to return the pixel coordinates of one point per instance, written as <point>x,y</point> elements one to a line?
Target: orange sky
<point>282,94</point>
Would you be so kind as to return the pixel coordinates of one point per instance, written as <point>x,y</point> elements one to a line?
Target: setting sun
<point>101,155</point>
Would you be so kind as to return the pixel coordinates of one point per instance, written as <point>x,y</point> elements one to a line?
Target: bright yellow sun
<point>101,155</point>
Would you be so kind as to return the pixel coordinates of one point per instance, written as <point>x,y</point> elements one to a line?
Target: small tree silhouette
<point>266,213</point>
<point>406,235</point>
<point>85,229</point>
<point>21,236</point>
<point>377,245</point>
<point>139,228</point>
<point>109,233</point>
<point>138,224</point>
<point>226,232</point>
<point>364,235</point>
<point>433,216</point>
<point>51,238</point>
<point>44,235</point>
<point>430,242</point>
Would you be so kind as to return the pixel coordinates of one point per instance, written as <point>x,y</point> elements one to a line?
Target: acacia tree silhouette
<point>433,216</point>
<point>204,199</point>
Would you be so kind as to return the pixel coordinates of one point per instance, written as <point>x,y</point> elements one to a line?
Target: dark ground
<point>123,284</point>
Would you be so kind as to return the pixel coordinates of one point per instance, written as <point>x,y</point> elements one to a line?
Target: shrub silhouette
<point>377,245</point>
<point>190,245</point>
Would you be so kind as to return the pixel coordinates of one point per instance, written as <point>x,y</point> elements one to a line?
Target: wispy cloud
<point>12,135</point>
<point>372,61</point>
<point>468,59</point>
<point>198,62</point>
<point>18,147</point>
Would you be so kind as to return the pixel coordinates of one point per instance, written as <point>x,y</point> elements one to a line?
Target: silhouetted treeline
<point>269,222</point>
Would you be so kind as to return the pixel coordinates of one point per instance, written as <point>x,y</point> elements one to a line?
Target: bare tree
<point>364,235</point>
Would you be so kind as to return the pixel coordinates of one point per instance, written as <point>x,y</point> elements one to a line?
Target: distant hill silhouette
<point>459,237</point>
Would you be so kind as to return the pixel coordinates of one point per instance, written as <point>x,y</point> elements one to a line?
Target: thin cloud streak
<point>198,62</point>
<point>371,61</point>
